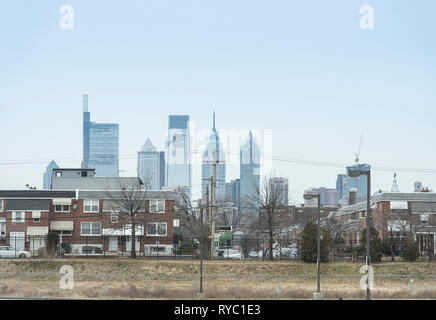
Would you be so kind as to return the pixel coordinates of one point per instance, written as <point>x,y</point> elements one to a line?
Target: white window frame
<point>91,203</point>
<point>1,205</point>
<point>90,229</point>
<point>157,228</point>
<point>22,216</point>
<point>154,203</point>
<point>62,206</point>
<point>114,214</point>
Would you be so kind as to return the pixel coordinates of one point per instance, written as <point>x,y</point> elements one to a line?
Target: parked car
<point>253,254</point>
<point>230,254</point>
<point>8,252</point>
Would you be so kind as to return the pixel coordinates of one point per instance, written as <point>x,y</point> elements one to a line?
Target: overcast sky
<point>303,70</point>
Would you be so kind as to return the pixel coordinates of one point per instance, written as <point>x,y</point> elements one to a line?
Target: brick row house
<point>397,216</point>
<point>86,221</point>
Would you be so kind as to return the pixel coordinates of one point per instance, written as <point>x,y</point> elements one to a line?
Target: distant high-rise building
<point>232,192</point>
<point>417,186</point>
<point>48,174</point>
<point>100,145</point>
<point>329,196</point>
<point>249,172</point>
<point>214,152</point>
<point>151,166</point>
<point>282,186</point>
<point>178,173</point>
<point>344,183</point>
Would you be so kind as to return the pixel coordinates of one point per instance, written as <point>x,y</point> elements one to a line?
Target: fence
<point>109,286</point>
<point>246,248</point>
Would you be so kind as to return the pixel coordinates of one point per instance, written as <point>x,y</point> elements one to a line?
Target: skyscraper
<point>178,172</point>
<point>214,152</point>
<point>249,172</point>
<point>344,183</point>
<point>151,166</point>
<point>282,186</point>
<point>48,174</point>
<point>100,145</point>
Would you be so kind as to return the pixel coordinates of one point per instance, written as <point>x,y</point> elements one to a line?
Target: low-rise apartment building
<point>86,221</point>
<point>396,215</point>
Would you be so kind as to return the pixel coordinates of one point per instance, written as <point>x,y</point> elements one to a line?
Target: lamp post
<point>318,295</point>
<point>355,172</point>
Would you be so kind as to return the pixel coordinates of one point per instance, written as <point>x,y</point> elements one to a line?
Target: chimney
<point>352,196</point>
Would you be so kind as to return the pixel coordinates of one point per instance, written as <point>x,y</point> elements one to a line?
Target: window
<point>157,229</point>
<point>36,220</point>
<point>114,217</point>
<point>157,205</point>
<point>157,249</point>
<point>91,228</point>
<point>84,174</point>
<point>1,205</point>
<point>17,216</point>
<point>91,205</point>
<point>62,208</point>
<point>58,174</point>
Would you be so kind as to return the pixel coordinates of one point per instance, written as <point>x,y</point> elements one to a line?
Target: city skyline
<point>152,64</point>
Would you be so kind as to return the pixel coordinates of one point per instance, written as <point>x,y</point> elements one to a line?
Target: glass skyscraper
<point>100,145</point>
<point>151,166</point>
<point>179,153</point>
<point>249,173</point>
<point>214,152</point>
<point>344,183</point>
<point>48,174</point>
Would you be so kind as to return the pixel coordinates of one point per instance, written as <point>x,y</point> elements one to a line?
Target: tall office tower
<point>48,174</point>
<point>178,173</point>
<point>249,174</point>
<point>345,183</point>
<point>100,145</point>
<point>282,186</point>
<point>214,152</point>
<point>150,166</point>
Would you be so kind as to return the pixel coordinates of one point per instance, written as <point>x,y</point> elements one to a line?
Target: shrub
<point>42,252</point>
<point>309,247</point>
<point>52,242</point>
<point>410,251</point>
<point>375,246</point>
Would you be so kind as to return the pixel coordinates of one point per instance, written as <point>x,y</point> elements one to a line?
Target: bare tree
<point>190,220</point>
<point>125,208</point>
<point>271,209</point>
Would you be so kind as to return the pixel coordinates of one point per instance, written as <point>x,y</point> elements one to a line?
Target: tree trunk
<point>271,257</point>
<point>133,247</point>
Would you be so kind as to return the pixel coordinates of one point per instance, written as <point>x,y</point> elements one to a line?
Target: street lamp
<point>318,295</point>
<point>355,172</point>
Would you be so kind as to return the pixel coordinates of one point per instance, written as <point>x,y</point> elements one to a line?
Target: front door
<point>129,243</point>
<point>113,243</point>
<point>16,240</point>
<point>37,242</point>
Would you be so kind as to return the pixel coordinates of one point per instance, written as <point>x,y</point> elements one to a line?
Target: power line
<point>264,157</point>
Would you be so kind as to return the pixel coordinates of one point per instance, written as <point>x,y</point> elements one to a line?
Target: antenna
<point>358,151</point>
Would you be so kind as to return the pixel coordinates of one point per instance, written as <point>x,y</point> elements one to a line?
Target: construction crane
<point>358,151</point>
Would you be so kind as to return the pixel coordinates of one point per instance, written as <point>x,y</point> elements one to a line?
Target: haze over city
<point>304,70</point>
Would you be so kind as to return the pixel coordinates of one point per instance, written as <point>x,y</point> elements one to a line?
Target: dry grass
<point>178,279</point>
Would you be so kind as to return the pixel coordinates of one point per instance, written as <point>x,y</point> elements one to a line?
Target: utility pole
<point>213,204</point>
<point>201,246</point>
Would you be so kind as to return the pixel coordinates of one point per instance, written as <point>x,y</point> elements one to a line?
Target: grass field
<point>223,279</point>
